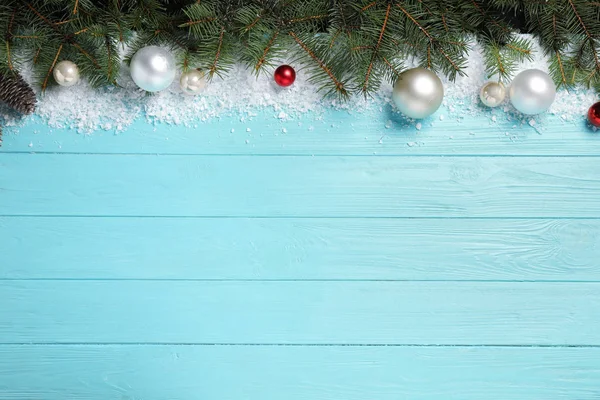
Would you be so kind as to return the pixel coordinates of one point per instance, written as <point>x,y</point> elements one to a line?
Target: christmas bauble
<point>153,68</point>
<point>492,94</point>
<point>532,91</point>
<point>66,73</point>
<point>418,93</point>
<point>192,82</point>
<point>594,115</point>
<point>284,75</point>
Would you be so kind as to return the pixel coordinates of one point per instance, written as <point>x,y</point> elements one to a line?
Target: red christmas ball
<point>284,75</point>
<point>594,115</point>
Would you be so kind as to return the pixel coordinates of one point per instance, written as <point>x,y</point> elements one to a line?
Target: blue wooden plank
<point>247,186</point>
<point>254,248</point>
<point>416,313</point>
<point>297,373</point>
<point>334,132</point>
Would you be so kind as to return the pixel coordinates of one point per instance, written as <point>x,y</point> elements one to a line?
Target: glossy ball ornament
<point>284,75</point>
<point>153,68</point>
<point>66,73</point>
<point>492,94</point>
<point>594,115</point>
<point>192,82</point>
<point>532,92</point>
<point>418,93</point>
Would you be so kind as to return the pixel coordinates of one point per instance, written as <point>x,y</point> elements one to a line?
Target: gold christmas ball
<point>492,94</point>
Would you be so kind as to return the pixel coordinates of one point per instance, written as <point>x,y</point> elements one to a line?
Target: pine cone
<point>17,94</point>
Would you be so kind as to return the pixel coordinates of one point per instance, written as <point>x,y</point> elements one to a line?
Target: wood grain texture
<point>300,312</point>
<point>223,248</point>
<point>378,269</point>
<point>334,133</point>
<point>247,186</point>
<point>297,373</point>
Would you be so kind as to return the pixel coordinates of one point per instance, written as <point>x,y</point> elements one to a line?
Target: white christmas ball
<point>192,82</point>
<point>532,91</point>
<point>153,68</point>
<point>418,93</point>
<point>492,94</point>
<point>66,73</point>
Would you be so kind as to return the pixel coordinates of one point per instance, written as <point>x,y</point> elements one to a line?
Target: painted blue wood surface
<point>357,313</point>
<point>297,372</point>
<point>565,250</point>
<point>338,260</point>
<point>283,186</point>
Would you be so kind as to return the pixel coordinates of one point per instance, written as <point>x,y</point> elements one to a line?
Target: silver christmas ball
<point>66,73</point>
<point>192,82</point>
<point>153,68</point>
<point>492,94</point>
<point>418,93</point>
<point>532,91</point>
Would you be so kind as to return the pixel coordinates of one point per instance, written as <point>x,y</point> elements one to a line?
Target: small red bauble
<point>594,115</point>
<point>284,75</point>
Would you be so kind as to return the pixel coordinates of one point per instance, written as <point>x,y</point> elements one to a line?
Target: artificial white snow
<point>418,126</point>
<point>240,93</point>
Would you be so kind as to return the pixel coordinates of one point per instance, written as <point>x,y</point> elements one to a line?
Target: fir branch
<point>268,47</point>
<point>339,86</point>
<point>561,67</point>
<point>589,36</point>
<point>199,21</point>
<point>376,49</point>
<point>414,21</point>
<point>45,84</point>
<point>213,68</point>
<point>365,8</point>
<point>519,49</point>
<point>86,54</point>
<point>307,18</point>
<point>43,18</point>
<point>252,24</point>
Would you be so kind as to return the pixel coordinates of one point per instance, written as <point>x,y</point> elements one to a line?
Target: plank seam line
<point>433,155</point>
<point>308,280</point>
<point>202,344</point>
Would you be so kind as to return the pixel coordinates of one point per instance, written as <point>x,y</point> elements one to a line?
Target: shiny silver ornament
<point>532,91</point>
<point>492,94</point>
<point>153,68</point>
<point>192,82</point>
<point>66,73</point>
<point>418,93</point>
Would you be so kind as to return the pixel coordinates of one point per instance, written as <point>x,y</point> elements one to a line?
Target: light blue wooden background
<point>340,260</point>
